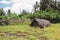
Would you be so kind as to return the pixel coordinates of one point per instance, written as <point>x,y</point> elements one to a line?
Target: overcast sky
<point>17,5</point>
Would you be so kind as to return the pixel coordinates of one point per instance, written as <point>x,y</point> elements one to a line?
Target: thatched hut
<point>40,23</point>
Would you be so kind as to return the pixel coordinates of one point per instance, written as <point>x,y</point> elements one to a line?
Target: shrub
<point>49,14</point>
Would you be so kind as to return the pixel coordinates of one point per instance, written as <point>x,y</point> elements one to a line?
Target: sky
<point>17,5</point>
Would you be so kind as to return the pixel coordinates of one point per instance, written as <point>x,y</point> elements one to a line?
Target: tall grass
<point>50,33</point>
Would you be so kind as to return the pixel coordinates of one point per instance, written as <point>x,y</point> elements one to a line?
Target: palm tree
<point>44,4</point>
<point>36,6</point>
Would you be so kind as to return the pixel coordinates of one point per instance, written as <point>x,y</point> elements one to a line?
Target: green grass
<point>31,33</point>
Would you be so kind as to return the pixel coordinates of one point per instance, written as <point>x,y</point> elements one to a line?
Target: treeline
<point>45,9</point>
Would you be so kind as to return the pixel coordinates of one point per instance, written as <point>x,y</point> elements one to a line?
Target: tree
<point>36,6</point>
<point>45,4</point>
<point>2,13</point>
<point>24,12</point>
<point>9,12</point>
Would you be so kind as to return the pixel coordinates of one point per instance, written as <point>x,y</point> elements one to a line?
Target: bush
<point>26,16</point>
<point>49,14</point>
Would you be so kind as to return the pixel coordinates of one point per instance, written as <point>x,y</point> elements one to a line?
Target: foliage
<point>2,13</point>
<point>36,6</point>
<point>13,16</point>
<point>22,16</point>
<point>49,14</point>
<point>45,4</point>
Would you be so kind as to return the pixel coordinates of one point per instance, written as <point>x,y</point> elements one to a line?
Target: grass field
<point>25,32</point>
